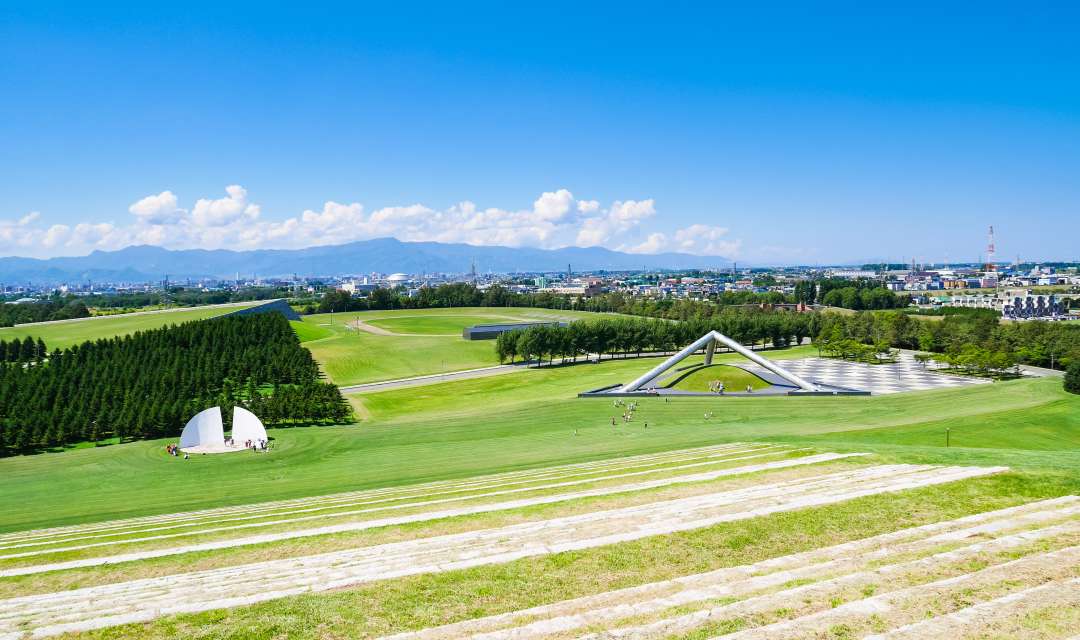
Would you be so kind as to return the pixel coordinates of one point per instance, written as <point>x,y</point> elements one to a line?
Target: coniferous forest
<point>148,384</point>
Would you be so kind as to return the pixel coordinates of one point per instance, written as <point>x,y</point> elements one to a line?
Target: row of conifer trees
<point>627,335</point>
<point>25,350</point>
<point>148,384</point>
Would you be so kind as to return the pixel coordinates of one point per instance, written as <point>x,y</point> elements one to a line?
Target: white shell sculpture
<point>204,430</point>
<point>246,426</point>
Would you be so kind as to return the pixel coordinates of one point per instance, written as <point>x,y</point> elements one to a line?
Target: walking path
<point>435,378</point>
<point>146,599</point>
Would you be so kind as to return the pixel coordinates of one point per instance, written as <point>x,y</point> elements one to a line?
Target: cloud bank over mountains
<point>557,219</point>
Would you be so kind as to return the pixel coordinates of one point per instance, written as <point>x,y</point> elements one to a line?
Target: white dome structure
<point>246,426</point>
<point>397,277</point>
<point>204,431</point>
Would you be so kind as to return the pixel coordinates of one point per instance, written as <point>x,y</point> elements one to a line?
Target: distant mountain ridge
<point>145,263</point>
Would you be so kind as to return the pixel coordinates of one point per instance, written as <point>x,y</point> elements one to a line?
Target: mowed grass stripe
<point>757,589</point>
<point>903,606</point>
<point>427,489</point>
<point>95,607</point>
<point>760,610</point>
<point>389,521</point>
<point>1055,604</point>
<point>338,510</point>
<point>1033,520</point>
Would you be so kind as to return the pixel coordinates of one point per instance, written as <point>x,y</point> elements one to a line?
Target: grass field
<point>702,378</point>
<point>439,325</point>
<point>58,335</point>
<point>528,419</point>
<point>524,423</point>
<point>349,356</point>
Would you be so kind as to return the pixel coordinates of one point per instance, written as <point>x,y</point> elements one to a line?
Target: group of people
<point>717,386</point>
<point>174,450</point>
<point>254,445</point>
<point>628,412</point>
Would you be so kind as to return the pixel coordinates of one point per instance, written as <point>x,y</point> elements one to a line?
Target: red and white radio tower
<point>990,266</point>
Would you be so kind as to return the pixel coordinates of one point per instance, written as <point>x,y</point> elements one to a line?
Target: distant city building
<point>492,331</point>
<point>1032,307</point>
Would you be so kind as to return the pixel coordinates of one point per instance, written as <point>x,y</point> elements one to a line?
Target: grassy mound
<point>430,342</point>
<point>439,325</point>
<point>65,334</point>
<point>701,379</point>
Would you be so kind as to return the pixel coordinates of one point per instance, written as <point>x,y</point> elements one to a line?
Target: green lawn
<point>445,325</point>
<point>348,356</point>
<point>528,419</point>
<point>59,335</point>
<point>702,378</point>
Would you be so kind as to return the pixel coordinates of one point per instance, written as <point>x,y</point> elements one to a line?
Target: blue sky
<point>791,134</point>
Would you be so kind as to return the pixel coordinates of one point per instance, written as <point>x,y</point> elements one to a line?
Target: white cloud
<point>158,209</point>
<point>606,226</point>
<point>556,219</point>
<point>232,208</point>
<point>698,239</point>
<point>588,206</point>
<point>706,240</point>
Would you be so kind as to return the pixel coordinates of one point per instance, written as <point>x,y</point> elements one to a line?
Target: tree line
<point>148,384</point>
<point>53,308</point>
<point>865,294</point>
<point>623,336</point>
<point>858,294</point>
<point>25,350</point>
<point>1036,343</point>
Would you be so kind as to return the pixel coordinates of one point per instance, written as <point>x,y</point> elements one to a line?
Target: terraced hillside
<point>387,541</point>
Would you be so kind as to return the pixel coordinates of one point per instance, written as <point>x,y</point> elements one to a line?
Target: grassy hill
<point>701,379</point>
<point>69,332</point>
<point>529,419</point>
<point>410,342</point>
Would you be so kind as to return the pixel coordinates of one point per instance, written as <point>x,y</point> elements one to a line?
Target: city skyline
<point>790,137</point>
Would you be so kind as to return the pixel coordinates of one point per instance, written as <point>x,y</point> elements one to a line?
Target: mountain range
<point>145,263</point>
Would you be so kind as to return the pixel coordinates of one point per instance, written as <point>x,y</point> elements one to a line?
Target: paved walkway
<point>435,378</point>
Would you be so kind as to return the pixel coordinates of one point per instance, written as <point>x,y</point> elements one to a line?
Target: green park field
<point>701,378</point>
<point>527,422</point>
<point>58,335</point>
<point>411,342</point>
<point>527,419</point>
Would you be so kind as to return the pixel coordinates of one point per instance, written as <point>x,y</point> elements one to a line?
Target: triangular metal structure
<point>708,342</point>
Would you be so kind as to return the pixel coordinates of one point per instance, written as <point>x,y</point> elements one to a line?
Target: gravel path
<point>140,600</point>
